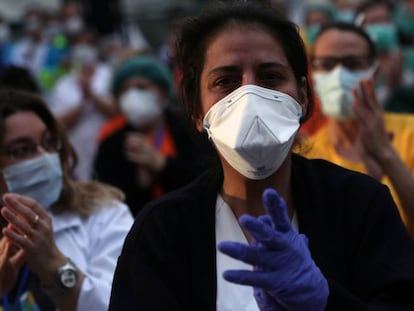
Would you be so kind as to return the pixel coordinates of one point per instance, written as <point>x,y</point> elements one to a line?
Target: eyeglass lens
<point>352,63</point>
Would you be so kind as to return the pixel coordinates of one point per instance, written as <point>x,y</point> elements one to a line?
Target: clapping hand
<point>284,277</point>
<point>373,142</point>
<point>30,230</point>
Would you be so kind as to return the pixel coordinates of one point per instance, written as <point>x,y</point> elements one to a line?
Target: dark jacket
<point>356,237</point>
<point>112,167</point>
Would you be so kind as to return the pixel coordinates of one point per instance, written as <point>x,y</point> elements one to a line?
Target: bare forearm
<point>105,106</point>
<point>70,118</point>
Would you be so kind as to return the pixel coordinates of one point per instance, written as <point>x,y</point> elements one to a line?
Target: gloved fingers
<point>253,278</point>
<point>276,207</point>
<point>253,255</point>
<point>263,233</point>
<point>304,239</point>
<point>265,301</point>
<point>246,253</point>
<point>266,220</point>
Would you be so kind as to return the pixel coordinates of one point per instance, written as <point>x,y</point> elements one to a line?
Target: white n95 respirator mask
<point>140,107</point>
<point>253,128</point>
<point>334,90</point>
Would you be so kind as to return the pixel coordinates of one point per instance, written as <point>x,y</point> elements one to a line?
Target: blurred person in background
<point>72,19</point>
<point>31,49</point>
<point>404,20</point>
<point>59,239</point>
<point>357,134</point>
<point>82,102</point>
<point>57,62</point>
<point>345,10</point>
<point>5,42</point>
<point>376,17</point>
<point>147,150</point>
<point>316,14</point>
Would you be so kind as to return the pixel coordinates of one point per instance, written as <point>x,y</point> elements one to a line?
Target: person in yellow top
<point>358,134</point>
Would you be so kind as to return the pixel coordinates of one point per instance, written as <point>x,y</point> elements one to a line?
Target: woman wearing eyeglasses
<point>357,134</point>
<point>60,239</point>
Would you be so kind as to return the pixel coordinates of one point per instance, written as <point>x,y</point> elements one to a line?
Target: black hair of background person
<point>18,78</point>
<point>104,16</point>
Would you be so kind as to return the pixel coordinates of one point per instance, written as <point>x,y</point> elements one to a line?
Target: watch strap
<point>57,289</point>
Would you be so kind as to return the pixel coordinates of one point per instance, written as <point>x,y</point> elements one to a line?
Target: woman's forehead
<point>23,123</point>
<point>249,44</point>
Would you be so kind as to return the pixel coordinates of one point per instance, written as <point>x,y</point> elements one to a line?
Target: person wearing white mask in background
<point>82,102</point>
<point>72,19</point>
<point>358,134</point>
<point>148,149</point>
<point>59,238</point>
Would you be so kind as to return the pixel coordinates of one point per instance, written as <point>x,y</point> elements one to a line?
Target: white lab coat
<point>83,135</point>
<point>94,244</point>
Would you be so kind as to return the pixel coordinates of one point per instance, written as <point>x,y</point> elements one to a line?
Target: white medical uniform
<point>94,244</point>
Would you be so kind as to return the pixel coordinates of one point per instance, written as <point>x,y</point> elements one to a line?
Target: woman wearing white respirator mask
<point>245,84</point>
<point>60,239</point>
<point>357,133</point>
<point>147,150</point>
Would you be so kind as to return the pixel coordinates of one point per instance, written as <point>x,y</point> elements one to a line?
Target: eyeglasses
<point>25,149</point>
<point>353,62</point>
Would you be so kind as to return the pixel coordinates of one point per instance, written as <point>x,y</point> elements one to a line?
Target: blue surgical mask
<point>39,178</point>
<point>345,15</point>
<point>334,89</point>
<point>312,31</point>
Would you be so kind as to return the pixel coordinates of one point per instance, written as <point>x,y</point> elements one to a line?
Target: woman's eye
<point>21,151</point>
<point>226,81</point>
<point>271,78</point>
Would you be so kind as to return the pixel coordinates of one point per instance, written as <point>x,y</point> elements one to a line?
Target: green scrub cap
<point>142,66</point>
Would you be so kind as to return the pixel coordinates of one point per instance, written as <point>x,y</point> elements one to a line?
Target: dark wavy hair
<point>195,32</point>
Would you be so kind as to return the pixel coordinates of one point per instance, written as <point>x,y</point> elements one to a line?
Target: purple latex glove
<point>284,277</point>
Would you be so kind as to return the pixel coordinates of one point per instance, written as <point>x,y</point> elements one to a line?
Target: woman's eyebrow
<point>235,68</point>
<point>224,69</point>
<point>275,65</point>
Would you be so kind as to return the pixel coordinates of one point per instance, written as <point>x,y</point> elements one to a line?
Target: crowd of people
<point>268,163</point>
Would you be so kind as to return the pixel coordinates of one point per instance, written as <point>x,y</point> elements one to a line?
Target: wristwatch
<point>67,278</point>
<point>68,275</point>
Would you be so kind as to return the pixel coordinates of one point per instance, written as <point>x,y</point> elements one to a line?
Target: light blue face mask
<point>39,178</point>
<point>334,89</point>
<point>312,31</point>
<point>345,15</point>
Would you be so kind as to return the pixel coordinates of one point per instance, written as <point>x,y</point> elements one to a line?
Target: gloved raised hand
<point>284,277</point>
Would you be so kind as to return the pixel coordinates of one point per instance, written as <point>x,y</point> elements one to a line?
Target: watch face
<point>69,278</point>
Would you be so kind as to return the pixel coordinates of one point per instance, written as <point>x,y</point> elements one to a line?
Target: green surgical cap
<point>142,66</point>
